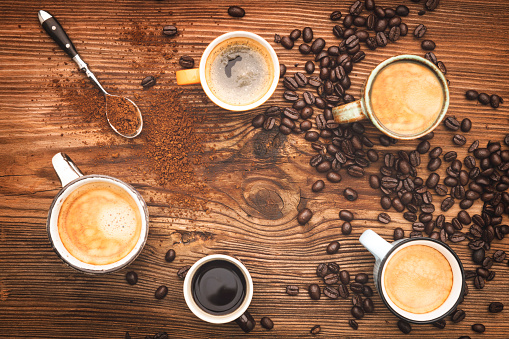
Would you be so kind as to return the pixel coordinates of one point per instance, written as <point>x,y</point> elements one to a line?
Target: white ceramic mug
<point>72,178</point>
<point>384,251</point>
<point>197,75</point>
<point>240,315</point>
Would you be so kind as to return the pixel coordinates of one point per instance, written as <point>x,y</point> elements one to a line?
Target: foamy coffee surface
<point>99,223</point>
<point>239,71</point>
<point>407,97</point>
<point>418,279</point>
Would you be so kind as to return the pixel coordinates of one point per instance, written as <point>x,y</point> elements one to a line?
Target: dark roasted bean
<point>399,233</point>
<point>318,45</point>
<point>170,255</point>
<point>333,247</point>
<point>350,194</point>
<point>471,95</point>
<point>170,30</point>
<point>183,272</point>
<point>495,101</point>
<point>346,228</point>
<point>457,316</point>
<point>295,34</point>
<point>346,215</point>
<point>314,291</point>
<point>304,216</point>
<point>404,326</point>
<point>483,98</point>
<point>161,292</point>
<point>236,11</point>
<point>331,292</point>
<point>384,218</point>
<point>434,164</point>
<point>459,140</point>
<point>315,329</point>
<point>292,290</point>
<point>495,307</point>
<point>131,277</point>
<point>186,61</point>
<point>258,121</point>
<point>356,8</point>
<point>307,34</point>
<point>282,70</point>
<point>286,42</point>
<point>419,31</point>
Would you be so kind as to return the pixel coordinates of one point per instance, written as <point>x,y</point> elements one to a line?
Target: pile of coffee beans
<point>494,100</point>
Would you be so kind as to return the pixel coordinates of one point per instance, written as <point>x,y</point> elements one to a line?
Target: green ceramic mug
<point>405,97</point>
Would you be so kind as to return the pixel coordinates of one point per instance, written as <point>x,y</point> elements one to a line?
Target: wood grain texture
<point>257,180</point>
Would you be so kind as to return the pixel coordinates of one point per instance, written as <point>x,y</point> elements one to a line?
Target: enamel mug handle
<point>351,112</point>
<point>375,244</point>
<point>67,170</point>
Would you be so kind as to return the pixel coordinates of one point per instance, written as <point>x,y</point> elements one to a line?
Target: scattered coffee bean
<point>335,16</point>
<point>459,140</point>
<point>357,312</point>
<point>304,216</point>
<point>451,123</point>
<point>292,290</point>
<point>361,278</point>
<point>404,326</point>
<point>384,218</point>
<point>495,307</point>
<point>148,82</point>
<point>333,247</point>
<point>350,194</point>
<point>402,10</point>
<point>346,228</point>
<point>131,277</point>
<point>439,324</point>
<point>286,42</point>
<point>282,70</point>
<point>318,186</point>
<point>483,98</point>
<point>471,94</point>
<point>267,323</point>
<point>236,11</point>
<point>186,61</point>
<point>269,123</point>
<point>442,68</point>
<point>317,45</point>
<point>315,329</point>
<point>346,215</point>
<point>170,255</point>
<point>368,306</point>
<point>494,101</point>
<point>457,316</point>
<point>314,291</point>
<point>295,34</point>
<point>479,328</point>
<point>170,30</point>
<point>161,292</point>
<point>353,324</point>
<point>398,233</point>
<point>430,56</point>
<point>307,34</point>
<point>331,292</point>
<point>419,31</point>
<point>428,45</point>
<point>183,272</point>
<point>499,256</point>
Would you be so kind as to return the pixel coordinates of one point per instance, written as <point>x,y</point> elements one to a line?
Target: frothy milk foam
<point>99,223</point>
<point>407,97</point>
<point>239,71</point>
<point>418,279</point>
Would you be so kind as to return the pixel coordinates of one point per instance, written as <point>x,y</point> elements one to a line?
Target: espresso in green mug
<point>405,96</point>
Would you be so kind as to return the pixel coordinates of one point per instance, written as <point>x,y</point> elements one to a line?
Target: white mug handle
<point>67,170</point>
<point>375,244</point>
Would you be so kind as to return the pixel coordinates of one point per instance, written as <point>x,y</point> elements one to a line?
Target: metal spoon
<point>57,33</point>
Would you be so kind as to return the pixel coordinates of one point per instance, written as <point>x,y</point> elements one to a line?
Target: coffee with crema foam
<point>239,71</point>
<point>407,97</point>
<point>418,279</point>
<point>99,223</point>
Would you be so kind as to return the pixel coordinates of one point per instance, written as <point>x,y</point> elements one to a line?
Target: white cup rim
<point>217,319</point>
<point>239,34</point>
<point>54,236</point>
<point>456,291</point>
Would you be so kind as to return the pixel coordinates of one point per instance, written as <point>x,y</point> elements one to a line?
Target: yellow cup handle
<point>188,76</point>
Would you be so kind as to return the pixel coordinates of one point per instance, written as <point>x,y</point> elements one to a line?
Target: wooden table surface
<point>256,181</point>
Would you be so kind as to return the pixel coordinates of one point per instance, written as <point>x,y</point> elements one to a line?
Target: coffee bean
<point>305,49</point>
<point>478,255</point>
<point>161,292</point>
<point>471,94</point>
<point>170,255</point>
<point>419,31</point>
<point>495,101</point>
<point>483,98</point>
<point>346,228</point>
<point>318,186</point>
<point>183,272</point>
<point>451,123</point>
<point>186,61</point>
<point>292,290</point>
<point>432,180</point>
<point>286,42</point>
<point>277,38</point>
<point>368,306</point>
<point>148,82</point>
<point>170,30</point>
<point>307,34</point>
<point>267,323</point>
<point>459,140</point>
<point>394,33</point>
<point>309,66</point>
<point>282,70</point>
<point>317,45</point>
<point>428,45</point>
<point>361,278</point>
<point>457,237</point>
<point>439,324</point>
<point>398,233</point>
<point>269,123</point>
<point>333,247</point>
<point>331,292</point>
<point>457,316</point>
<point>357,312</point>
<point>495,307</point>
<point>384,218</point>
<point>258,121</point>
<point>435,152</point>
<point>295,34</point>
<point>479,328</point>
<point>346,215</point>
<point>431,5</point>
<point>236,11</point>
<point>464,217</point>
<point>479,282</point>
<point>442,68</point>
<point>381,39</point>
<point>322,270</point>
<point>315,329</point>
<point>304,216</point>
<point>331,279</point>
<point>344,276</point>
<point>430,56</point>
<point>131,277</point>
<point>314,291</point>
<point>434,164</point>
<point>353,324</point>
<point>300,79</point>
<point>350,194</point>
<point>335,16</point>
<point>447,203</point>
<point>404,326</point>
<point>499,256</point>
<point>356,8</point>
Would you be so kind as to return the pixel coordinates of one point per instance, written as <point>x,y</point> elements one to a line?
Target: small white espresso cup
<point>384,251</point>
<point>240,315</point>
<point>72,178</point>
<point>198,75</point>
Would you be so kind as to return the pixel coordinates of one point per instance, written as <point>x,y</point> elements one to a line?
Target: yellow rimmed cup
<point>413,87</point>
<point>202,74</point>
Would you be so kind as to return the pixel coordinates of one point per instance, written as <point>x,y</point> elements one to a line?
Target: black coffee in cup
<point>218,287</point>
